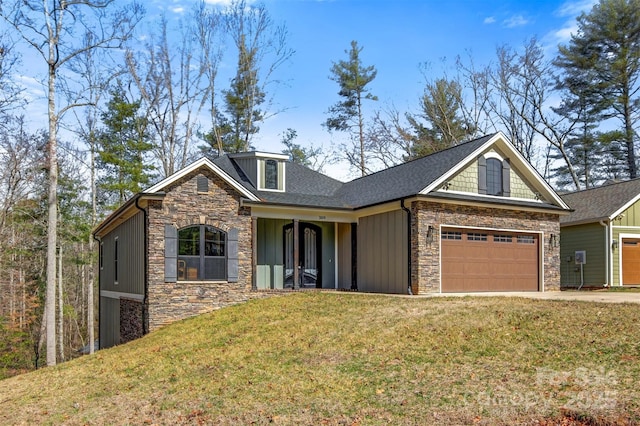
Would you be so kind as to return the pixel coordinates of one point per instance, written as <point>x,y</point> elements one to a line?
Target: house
<point>475,217</point>
<point>600,239</point>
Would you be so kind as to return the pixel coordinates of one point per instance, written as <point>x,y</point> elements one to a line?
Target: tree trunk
<point>52,224</point>
<point>60,310</point>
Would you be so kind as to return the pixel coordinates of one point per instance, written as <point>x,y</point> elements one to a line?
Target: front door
<point>309,261</point>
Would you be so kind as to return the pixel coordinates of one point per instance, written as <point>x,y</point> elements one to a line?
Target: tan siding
<point>382,253</point>
<point>590,238</point>
<point>130,237</point>
<point>630,217</point>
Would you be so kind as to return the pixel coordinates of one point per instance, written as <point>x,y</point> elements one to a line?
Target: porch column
<point>296,255</point>
<point>254,253</point>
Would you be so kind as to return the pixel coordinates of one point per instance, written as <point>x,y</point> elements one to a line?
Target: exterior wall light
<point>553,240</point>
<point>430,230</point>
<point>614,245</point>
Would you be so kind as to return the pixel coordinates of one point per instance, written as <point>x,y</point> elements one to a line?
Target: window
<point>526,239</point>
<point>202,253</point>
<point>451,235</point>
<point>271,174</point>
<point>494,176</point>
<point>471,236</point>
<point>101,255</point>
<point>502,238</point>
<point>115,261</point>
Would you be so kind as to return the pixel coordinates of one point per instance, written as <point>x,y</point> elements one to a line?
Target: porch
<point>292,254</point>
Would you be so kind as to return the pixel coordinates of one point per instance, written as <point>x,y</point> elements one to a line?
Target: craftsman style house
<point>475,217</point>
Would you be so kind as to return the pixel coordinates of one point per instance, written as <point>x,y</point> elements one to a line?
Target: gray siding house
<point>475,217</point>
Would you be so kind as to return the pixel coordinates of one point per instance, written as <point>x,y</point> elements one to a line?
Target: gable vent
<point>203,184</point>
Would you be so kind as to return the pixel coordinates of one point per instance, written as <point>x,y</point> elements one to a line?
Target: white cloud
<point>515,21</point>
<point>575,8</point>
<point>489,20</point>
<point>177,9</point>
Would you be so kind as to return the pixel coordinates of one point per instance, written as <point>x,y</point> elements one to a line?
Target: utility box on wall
<point>581,257</point>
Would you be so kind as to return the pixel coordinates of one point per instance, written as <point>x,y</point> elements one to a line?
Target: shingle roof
<point>592,205</point>
<point>305,187</point>
<point>407,179</point>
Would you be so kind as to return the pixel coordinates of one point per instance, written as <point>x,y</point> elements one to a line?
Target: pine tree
<point>124,143</point>
<point>347,115</point>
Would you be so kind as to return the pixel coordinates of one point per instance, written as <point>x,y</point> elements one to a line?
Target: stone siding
<point>182,206</point>
<point>425,256</point>
<point>131,320</point>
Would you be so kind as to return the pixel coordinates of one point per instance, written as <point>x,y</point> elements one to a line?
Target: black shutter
<point>506,178</point>
<point>232,256</point>
<point>482,175</point>
<point>170,254</point>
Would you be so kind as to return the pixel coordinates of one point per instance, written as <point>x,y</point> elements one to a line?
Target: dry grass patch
<point>355,359</point>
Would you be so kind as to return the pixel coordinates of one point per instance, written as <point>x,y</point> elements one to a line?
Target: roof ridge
<point>601,186</point>
<point>487,136</point>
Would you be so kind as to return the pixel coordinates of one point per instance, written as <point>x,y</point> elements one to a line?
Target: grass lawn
<point>342,358</point>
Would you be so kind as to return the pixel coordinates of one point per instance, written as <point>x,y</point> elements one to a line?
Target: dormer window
<point>271,174</point>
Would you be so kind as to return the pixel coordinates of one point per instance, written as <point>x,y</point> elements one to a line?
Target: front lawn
<point>336,358</point>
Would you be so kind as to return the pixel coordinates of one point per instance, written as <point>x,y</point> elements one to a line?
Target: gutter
<point>145,319</point>
<point>409,291</point>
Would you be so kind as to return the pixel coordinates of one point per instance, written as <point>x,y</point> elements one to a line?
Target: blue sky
<point>397,36</point>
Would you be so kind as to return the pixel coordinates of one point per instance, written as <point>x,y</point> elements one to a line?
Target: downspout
<point>409,291</point>
<point>99,287</point>
<point>608,258</point>
<point>145,327</point>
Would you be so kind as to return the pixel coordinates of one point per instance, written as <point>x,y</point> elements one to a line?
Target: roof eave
<point>124,212</point>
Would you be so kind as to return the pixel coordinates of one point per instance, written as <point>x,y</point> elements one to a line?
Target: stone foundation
<point>131,320</point>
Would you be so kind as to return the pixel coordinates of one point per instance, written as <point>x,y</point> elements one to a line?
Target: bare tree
<point>51,29</point>
<point>524,84</point>
<point>172,85</point>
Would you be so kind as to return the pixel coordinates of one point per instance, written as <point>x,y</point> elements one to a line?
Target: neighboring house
<point>475,217</point>
<point>603,232</point>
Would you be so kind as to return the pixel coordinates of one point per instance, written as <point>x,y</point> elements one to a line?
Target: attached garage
<point>631,261</point>
<point>476,260</point>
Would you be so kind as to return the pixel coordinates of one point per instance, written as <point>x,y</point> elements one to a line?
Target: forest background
<point>100,99</point>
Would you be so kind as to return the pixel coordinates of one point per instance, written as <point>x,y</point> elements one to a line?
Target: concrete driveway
<point>601,296</point>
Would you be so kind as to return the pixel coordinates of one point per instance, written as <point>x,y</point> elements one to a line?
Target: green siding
<point>626,223</point>
<point>467,181</point>
<point>590,238</point>
<point>271,252</point>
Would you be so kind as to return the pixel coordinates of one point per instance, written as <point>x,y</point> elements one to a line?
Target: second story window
<point>494,176</point>
<point>271,174</point>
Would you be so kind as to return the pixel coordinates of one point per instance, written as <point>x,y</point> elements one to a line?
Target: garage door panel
<point>489,261</point>
<point>630,261</point>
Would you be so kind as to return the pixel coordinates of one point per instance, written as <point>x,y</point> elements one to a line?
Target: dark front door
<point>309,260</point>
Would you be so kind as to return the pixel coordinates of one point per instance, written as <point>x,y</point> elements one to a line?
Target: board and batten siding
<point>590,238</point>
<point>345,270</point>
<point>109,322</point>
<point>270,248</point>
<point>130,241</point>
<point>383,253</point>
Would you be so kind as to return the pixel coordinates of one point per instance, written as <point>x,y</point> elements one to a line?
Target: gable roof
<point>602,203</point>
<point>407,179</point>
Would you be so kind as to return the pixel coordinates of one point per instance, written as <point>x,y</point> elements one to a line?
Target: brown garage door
<point>630,261</point>
<point>481,260</point>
